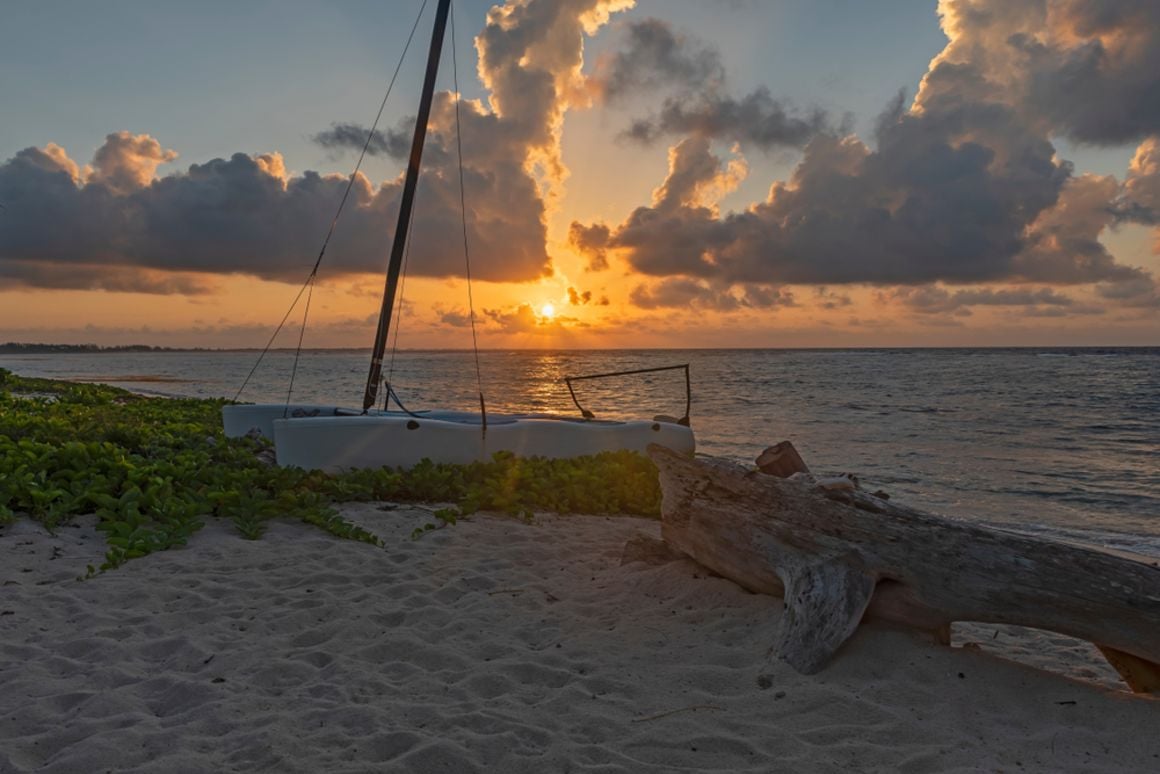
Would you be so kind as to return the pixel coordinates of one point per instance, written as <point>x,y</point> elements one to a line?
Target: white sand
<point>495,646</point>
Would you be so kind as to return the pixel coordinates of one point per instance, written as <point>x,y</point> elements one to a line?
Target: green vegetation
<point>152,469</point>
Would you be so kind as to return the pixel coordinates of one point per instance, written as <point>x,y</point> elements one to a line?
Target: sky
<point>664,173</point>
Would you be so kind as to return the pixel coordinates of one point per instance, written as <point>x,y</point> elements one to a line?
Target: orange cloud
<point>127,162</point>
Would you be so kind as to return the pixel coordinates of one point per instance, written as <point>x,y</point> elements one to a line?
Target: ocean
<point>1064,442</point>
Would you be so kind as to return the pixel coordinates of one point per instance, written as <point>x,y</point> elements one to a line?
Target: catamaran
<point>334,439</point>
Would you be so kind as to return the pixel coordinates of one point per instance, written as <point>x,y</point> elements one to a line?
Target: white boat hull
<point>245,418</point>
<point>334,444</point>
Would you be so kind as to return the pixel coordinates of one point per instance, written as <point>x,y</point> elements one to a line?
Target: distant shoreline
<point>20,348</point>
<point>16,348</point>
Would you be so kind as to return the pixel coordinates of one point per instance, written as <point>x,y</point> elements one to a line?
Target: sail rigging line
<point>334,221</point>
<point>406,202</point>
<point>398,323</point>
<point>301,334</point>
<point>273,336</point>
<point>463,216</point>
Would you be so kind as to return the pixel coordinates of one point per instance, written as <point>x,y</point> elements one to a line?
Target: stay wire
<point>301,334</point>
<point>399,315</point>
<point>334,221</point>
<point>277,330</point>
<point>463,212</point>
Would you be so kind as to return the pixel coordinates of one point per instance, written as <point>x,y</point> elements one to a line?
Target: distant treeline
<point>18,348</point>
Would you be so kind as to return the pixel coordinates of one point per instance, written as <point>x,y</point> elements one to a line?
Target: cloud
<point>931,299</point>
<point>395,143</point>
<point>247,215</point>
<point>455,318</point>
<point>757,119</point>
<point>680,293</point>
<point>531,54</point>
<point>524,319</point>
<point>592,242</point>
<point>1140,199</point>
<point>244,215</point>
<point>52,158</point>
<point>678,232</point>
<point>963,186</point>
<point>827,299</point>
<point>57,276</point>
<point>651,54</point>
<point>1088,69</point>
<point>697,177</point>
<point>52,216</point>
<point>1062,244</point>
<point>576,298</point>
<point>126,162</point>
<point>1141,292</point>
<point>930,203</point>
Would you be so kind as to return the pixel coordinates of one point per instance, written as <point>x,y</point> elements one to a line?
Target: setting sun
<point>548,311</point>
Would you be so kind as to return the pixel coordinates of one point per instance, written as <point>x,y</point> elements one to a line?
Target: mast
<point>408,199</point>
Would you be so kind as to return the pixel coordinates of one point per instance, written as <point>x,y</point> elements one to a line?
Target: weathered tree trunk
<point>838,556</point>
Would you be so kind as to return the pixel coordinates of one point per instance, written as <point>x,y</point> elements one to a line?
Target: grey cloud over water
<point>930,203</point>
<point>246,215</point>
<point>963,186</point>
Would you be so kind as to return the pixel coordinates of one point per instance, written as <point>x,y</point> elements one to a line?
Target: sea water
<point>1061,441</point>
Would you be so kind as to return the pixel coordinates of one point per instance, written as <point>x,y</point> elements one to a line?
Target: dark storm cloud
<point>395,143</point>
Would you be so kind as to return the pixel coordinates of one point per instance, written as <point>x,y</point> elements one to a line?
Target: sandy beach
<point>496,645</point>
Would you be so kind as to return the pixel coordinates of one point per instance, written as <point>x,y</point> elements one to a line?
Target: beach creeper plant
<point>154,469</point>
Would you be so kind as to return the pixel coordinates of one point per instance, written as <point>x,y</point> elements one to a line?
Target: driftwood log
<point>839,555</point>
